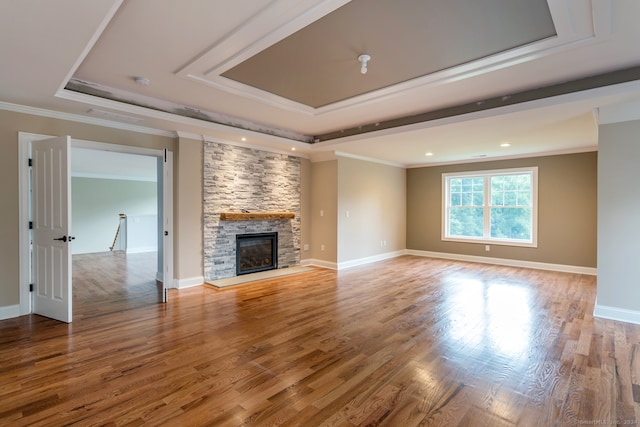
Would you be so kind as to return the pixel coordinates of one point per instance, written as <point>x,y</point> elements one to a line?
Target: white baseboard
<point>508,262</point>
<point>9,311</point>
<point>160,278</point>
<point>188,283</point>
<point>619,314</point>
<point>371,259</point>
<point>319,263</point>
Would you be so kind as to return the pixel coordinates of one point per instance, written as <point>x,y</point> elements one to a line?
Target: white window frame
<point>486,174</point>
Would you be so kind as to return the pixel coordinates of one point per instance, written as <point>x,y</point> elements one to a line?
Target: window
<point>497,206</point>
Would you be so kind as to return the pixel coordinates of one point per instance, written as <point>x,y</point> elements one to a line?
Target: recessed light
<point>243,138</point>
<point>293,148</point>
<point>505,145</point>
<point>428,154</point>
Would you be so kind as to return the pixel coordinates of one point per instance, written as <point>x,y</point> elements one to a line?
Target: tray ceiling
<point>454,77</point>
<point>317,65</point>
<point>302,56</point>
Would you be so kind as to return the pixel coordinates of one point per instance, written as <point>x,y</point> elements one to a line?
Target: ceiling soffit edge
<point>583,85</point>
<point>91,42</point>
<point>586,149</point>
<point>107,97</point>
<point>103,96</point>
<point>35,111</point>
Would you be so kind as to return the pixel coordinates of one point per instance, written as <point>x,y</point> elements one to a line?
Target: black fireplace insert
<point>256,252</point>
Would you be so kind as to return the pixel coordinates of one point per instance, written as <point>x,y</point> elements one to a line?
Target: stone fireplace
<point>239,179</point>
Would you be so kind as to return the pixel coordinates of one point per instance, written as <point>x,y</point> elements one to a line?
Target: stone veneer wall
<point>237,178</point>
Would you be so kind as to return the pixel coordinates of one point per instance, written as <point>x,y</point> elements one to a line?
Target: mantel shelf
<point>256,216</point>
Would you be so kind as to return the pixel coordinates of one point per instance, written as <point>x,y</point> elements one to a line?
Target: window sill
<point>491,242</point>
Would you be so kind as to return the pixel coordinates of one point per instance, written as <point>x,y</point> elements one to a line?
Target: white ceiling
<point>184,47</point>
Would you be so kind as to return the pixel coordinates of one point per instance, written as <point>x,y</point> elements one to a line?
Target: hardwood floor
<point>107,282</point>
<point>405,342</point>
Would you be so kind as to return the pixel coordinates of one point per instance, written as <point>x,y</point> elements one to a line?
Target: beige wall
<point>371,209</point>
<point>305,208</point>
<point>187,206</point>
<point>324,230</point>
<point>618,295</point>
<point>567,189</point>
<point>385,203</point>
<point>10,124</point>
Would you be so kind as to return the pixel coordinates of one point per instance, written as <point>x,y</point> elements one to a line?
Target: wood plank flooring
<point>405,342</point>
<point>107,282</point>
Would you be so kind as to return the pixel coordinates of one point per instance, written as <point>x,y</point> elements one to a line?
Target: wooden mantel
<point>256,216</point>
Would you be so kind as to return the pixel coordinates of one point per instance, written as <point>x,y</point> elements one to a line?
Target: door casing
<point>24,186</point>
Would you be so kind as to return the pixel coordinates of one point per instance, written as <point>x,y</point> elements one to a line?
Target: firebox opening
<point>256,252</point>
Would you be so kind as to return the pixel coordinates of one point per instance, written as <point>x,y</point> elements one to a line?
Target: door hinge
<point>30,225</point>
<point>31,287</point>
<point>30,162</point>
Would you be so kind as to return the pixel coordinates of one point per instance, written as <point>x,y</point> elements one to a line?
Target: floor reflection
<point>489,316</point>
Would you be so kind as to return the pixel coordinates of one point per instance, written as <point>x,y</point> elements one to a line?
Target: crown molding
<point>160,110</point>
<point>35,111</point>
<point>368,159</point>
<point>205,138</point>
<point>577,150</point>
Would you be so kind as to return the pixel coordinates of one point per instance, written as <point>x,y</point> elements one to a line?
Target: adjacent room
<point>319,212</point>
<point>114,205</point>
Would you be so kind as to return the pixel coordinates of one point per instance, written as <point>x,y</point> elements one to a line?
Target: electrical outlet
<point>346,214</point>
<point>321,212</point>
<point>305,247</point>
<point>322,248</point>
<point>487,248</point>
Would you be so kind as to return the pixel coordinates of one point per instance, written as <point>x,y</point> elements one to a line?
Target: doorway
<point>114,204</point>
<point>164,174</point>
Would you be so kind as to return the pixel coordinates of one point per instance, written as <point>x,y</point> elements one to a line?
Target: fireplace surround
<point>239,179</point>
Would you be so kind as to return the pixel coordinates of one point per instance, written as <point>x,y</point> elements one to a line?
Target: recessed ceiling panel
<point>406,39</point>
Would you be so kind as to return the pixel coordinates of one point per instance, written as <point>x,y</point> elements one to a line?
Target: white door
<point>167,224</point>
<point>51,212</point>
